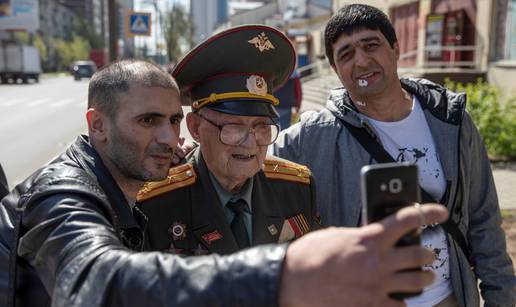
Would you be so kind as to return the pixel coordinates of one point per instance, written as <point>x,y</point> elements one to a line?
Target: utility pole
<point>113,30</point>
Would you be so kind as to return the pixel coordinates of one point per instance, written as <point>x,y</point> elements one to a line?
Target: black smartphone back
<point>386,188</point>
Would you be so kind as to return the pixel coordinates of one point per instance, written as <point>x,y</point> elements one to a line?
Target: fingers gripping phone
<point>386,188</point>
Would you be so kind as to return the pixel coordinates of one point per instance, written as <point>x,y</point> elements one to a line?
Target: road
<point>38,121</point>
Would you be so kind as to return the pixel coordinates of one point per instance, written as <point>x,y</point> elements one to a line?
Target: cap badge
<point>257,85</point>
<point>262,42</point>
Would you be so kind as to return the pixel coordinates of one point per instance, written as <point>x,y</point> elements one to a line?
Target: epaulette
<point>178,177</point>
<point>277,168</point>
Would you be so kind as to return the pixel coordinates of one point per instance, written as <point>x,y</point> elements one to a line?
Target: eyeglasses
<point>236,134</point>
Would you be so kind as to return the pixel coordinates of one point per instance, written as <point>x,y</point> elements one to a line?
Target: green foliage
<point>508,213</point>
<point>83,28</point>
<point>42,48</point>
<point>70,51</point>
<point>21,38</point>
<point>495,119</point>
<point>178,32</point>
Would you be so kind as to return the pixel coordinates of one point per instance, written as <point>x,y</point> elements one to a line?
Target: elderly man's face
<point>232,165</point>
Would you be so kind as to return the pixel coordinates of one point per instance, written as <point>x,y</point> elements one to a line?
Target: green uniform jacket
<point>187,218</point>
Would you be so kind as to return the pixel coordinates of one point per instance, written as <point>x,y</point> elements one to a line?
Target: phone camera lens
<point>395,185</point>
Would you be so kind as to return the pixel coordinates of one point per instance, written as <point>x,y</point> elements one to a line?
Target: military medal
<point>177,231</point>
<point>294,228</point>
<point>212,236</point>
<point>272,229</point>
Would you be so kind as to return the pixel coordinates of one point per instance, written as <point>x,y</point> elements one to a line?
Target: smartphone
<point>386,188</point>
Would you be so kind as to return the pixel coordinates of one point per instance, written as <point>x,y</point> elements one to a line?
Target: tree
<point>69,51</point>
<point>22,37</point>
<point>83,28</point>
<point>178,31</point>
<point>42,48</point>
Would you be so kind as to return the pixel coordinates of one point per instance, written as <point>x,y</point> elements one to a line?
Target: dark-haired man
<point>376,117</point>
<point>70,234</point>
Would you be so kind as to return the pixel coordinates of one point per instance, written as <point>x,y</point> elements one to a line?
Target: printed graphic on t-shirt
<point>435,240</point>
<point>418,156</point>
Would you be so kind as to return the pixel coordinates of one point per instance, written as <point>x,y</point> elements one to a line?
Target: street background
<point>39,120</point>
<point>456,43</point>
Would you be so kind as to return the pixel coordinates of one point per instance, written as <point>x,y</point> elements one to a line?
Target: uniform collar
<point>225,196</point>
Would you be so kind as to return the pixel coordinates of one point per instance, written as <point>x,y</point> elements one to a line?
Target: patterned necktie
<point>238,225</point>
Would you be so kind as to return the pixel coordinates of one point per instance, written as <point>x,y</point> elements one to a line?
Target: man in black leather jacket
<point>76,238</point>
<point>4,188</point>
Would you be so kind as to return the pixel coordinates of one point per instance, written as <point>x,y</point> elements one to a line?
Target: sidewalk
<point>505,180</point>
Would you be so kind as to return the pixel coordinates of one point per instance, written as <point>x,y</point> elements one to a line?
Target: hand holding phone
<point>386,188</point>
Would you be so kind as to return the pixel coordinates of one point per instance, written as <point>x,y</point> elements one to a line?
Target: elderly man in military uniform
<point>229,195</point>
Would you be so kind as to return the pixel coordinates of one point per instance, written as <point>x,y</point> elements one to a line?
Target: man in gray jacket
<point>410,120</point>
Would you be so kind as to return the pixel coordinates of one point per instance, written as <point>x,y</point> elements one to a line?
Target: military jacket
<point>185,215</point>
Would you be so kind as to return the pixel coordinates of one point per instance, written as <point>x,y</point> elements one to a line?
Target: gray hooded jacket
<point>321,142</point>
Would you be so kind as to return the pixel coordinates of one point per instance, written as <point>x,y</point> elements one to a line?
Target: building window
<point>510,31</point>
<point>505,30</point>
<point>405,22</point>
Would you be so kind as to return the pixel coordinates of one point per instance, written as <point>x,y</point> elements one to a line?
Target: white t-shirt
<point>410,140</point>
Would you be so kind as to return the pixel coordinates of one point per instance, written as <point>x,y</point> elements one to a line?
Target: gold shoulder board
<point>277,168</point>
<point>178,177</point>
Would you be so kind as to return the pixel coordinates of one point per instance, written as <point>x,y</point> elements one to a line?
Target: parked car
<point>83,69</point>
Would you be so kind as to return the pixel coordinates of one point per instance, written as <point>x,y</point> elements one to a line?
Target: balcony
<point>460,63</point>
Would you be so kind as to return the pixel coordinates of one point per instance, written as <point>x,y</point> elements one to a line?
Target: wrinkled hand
<point>183,148</point>
<point>358,266</point>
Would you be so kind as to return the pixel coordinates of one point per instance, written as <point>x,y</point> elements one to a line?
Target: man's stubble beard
<point>124,153</point>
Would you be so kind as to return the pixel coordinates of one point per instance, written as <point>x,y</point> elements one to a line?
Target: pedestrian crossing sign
<point>138,23</point>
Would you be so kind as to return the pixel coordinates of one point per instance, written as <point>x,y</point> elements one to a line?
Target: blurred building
<point>126,44</point>
<point>55,19</point>
<point>302,20</point>
<point>458,39</point>
<point>206,16</point>
<point>57,16</point>
<point>96,14</point>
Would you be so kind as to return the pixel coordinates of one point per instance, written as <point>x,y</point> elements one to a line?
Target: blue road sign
<point>138,23</point>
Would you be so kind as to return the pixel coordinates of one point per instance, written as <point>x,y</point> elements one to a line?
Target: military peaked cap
<point>236,71</point>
